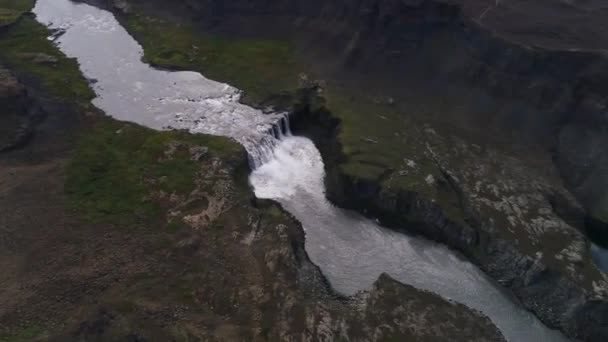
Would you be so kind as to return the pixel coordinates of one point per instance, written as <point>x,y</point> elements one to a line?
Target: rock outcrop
<point>496,148</point>
<point>215,263</point>
<point>515,224</point>
<point>501,80</point>
<point>101,240</point>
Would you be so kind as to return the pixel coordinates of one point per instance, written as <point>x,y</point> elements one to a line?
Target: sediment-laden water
<point>351,250</point>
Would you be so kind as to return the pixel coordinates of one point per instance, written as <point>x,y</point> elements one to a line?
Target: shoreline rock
<point>468,77</point>
<point>553,296</point>
<point>102,280</point>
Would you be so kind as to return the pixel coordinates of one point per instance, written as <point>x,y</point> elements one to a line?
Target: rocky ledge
<point>111,231</point>
<point>515,224</point>
<point>153,258</point>
<point>442,118</point>
<point>506,72</point>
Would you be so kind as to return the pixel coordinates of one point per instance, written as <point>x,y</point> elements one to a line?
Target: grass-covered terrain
<point>260,67</point>
<point>23,335</point>
<point>8,16</point>
<point>373,134</point>
<point>118,168</point>
<point>189,243</point>
<point>116,213</point>
<point>123,233</point>
<point>11,10</point>
<point>102,179</point>
<point>24,47</point>
<point>434,179</point>
<point>376,139</point>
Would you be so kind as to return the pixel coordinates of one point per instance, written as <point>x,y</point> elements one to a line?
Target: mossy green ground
<point>23,335</point>
<point>260,67</point>
<point>376,138</point>
<point>11,10</point>
<point>118,166</point>
<point>25,39</point>
<point>373,135</point>
<point>113,173</point>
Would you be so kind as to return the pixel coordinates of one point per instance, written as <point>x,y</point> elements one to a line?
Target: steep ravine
<point>440,64</point>
<point>441,67</point>
<point>132,90</point>
<point>71,200</point>
<point>103,280</point>
<point>434,63</point>
<point>553,297</point>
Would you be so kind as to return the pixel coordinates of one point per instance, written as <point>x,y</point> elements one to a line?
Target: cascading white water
<point>261,147</point>
<point>131,90</point>
<point>350,250</point>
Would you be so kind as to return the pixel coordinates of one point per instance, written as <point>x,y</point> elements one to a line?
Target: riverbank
<point>115,231</point>
<point>439,161</point>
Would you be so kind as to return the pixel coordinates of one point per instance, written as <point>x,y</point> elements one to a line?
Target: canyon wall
<point>446,66</point>
<point>527,113</point>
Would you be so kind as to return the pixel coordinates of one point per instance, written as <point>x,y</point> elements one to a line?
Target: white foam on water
<point>351,250</point>
<point>130,90</point>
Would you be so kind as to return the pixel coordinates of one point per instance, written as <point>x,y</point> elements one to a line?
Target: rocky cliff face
<point>504,128</point>
<point>514,224</point>
<point>213,264</point>
<point>477,72</point>
<point>443,66</point>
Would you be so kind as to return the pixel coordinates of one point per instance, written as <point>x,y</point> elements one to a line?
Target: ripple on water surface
<point>350,250</point>
<point>131,90</point>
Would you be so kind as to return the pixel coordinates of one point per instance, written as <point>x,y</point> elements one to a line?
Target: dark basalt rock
<point>506,72</point>
<point>552,295</point>
<point>497,74</point>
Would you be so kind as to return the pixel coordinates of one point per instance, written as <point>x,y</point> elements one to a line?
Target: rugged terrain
<point>480,124</point>
<point>111,231</point>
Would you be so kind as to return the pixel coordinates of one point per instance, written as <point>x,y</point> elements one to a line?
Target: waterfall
<point>351,250</point>
<point>260,148</point>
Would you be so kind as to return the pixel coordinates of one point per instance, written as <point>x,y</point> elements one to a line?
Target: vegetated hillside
<point>438,121</point>
<point>112,231</point>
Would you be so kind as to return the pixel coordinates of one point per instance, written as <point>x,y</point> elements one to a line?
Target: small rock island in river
<point>287,170</point>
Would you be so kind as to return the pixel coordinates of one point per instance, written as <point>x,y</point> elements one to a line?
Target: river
<point>350,250</point>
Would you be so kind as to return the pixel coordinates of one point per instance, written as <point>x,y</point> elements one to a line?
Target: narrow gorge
<point>415,163</point>
<point>130,90</point>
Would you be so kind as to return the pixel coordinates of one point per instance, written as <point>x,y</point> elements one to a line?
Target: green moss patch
<point>11,10</point>
<point>8,16</point>
<point>117,167</point>
<point>25,48</point>
<point>379,142</point>
<point>374,135</point>
<point>18,5</point>
<point>260,67</point>
<point>24,335</point>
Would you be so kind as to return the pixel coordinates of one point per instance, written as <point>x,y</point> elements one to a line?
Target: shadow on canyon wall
<point>529,76</point>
